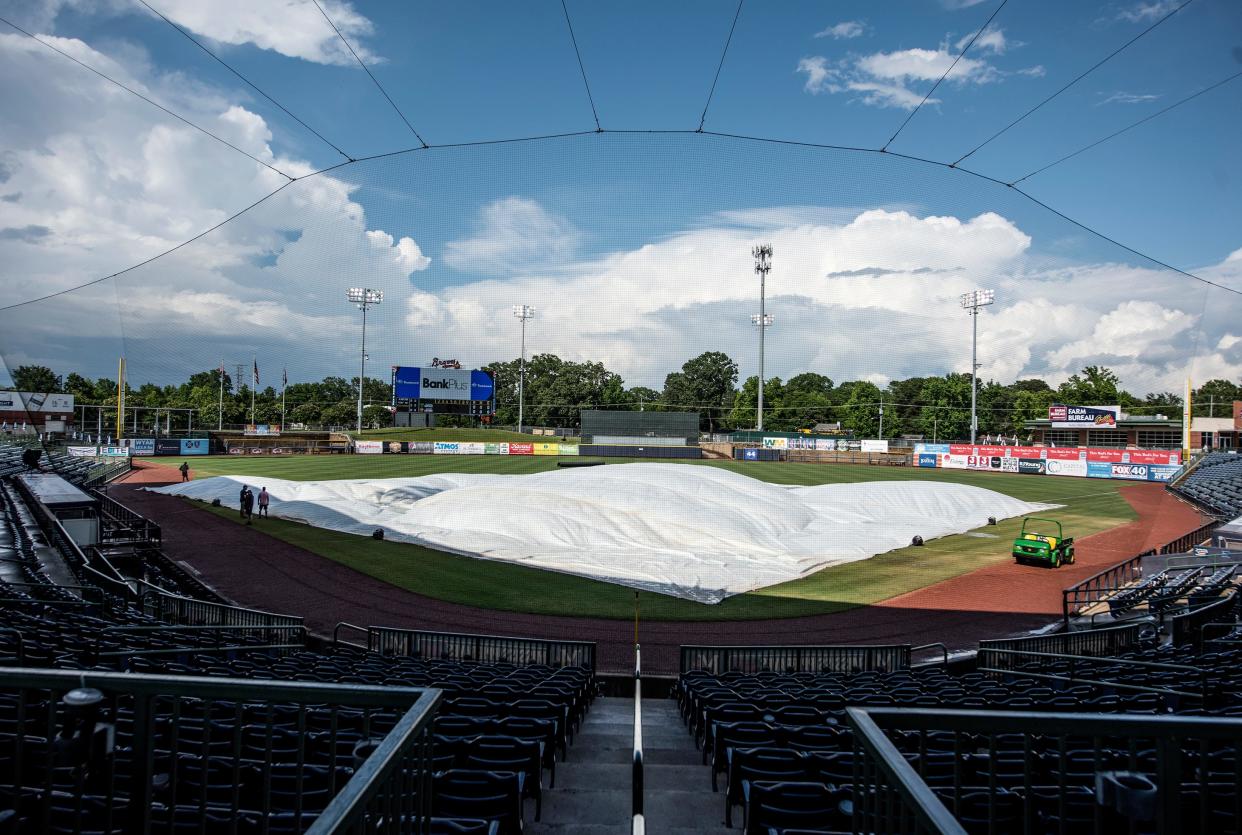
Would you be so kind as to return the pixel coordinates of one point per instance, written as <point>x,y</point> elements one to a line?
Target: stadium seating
<point>501,727</point>
<point>1216,484</point>
<point>782,743</point>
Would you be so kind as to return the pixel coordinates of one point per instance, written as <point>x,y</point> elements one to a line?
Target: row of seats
<point>1216,483</point>
<point>778,745</point>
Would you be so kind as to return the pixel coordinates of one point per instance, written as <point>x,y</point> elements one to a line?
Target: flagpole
<point>284,384</point>
<point>253,385</point>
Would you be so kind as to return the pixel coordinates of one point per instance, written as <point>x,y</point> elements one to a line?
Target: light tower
<point>522,312</point>
<point>972,301</point>
<point>365,298</point>
<point>763,263</point>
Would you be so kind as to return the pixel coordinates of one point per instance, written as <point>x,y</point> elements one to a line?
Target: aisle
<point>592,794</point>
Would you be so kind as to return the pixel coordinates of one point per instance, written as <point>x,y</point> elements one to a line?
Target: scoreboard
<point>443,391</point>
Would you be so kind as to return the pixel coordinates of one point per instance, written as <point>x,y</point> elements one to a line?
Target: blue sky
<point>565,218</point>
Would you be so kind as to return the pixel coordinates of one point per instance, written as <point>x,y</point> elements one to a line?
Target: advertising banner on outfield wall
<point>874,446</point>
<point>82,451</point>
<point>1056,466</point>
<point>1160,472</point>
<point>521,449</point>
<point>444,448</point>
<point>167,446</point>
<point>421,447</point>
<point>496,449</point>
<point>1133,472</point>
<point>567,449</point>
<point>547,449</point>
<point>141,446</point>
<point>369,447</point>
<point>195,445</point>
<point>776,443</point>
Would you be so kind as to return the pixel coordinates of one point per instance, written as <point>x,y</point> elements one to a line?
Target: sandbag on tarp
<point>697,532</point>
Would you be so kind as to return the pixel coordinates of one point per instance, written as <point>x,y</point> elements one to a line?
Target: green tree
<point>1215,397</point>
<point>861,413</point>
<point>643,399</point>
<point>705,384</point>
<point>35,378</point>
<point>946,408</point>
<point>1094,386</point>
<point>1030,405</point>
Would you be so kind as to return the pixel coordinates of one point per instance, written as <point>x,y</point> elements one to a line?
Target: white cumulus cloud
<point>513,234</point>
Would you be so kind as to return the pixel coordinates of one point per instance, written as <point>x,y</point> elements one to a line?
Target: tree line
<point>556,390</point>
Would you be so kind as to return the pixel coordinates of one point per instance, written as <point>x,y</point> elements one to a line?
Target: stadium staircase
<point>597,787</point>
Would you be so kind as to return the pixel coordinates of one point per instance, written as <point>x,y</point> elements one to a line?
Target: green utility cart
<point>1034,548</point>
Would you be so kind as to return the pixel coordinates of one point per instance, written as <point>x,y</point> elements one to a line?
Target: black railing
<point>453,646</point>
<point>101,474</point>
<point>795,659</point>
<point>1109,641</point>
<point>1187,541</point>
<point>131,641</point>
<point>1101,586</point>
<point>1187,629</point>
<point>921,770</point>
<point>122,752</point>
<point>638,821</point>
<point>1085,669</point>
<point>127,523</point>
<point>186,611</point>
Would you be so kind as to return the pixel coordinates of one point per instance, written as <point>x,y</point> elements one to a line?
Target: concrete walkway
<point>592,794</point>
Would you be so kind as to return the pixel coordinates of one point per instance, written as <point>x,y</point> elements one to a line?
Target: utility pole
<point>763,264</point>
<point>522,312</point>
<point>881,416</point>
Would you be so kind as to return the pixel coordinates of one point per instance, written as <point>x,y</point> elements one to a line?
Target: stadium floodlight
<point>522,312</point>
<point>972,301</point>
<point>364,298</point>
<point>763,263</point>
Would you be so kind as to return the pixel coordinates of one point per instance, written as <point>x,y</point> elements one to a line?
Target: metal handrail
<point>345,625</point>
<point>927,809</point>
<point>944,650</point>
<point>637,818</point>
<point>388,640</point>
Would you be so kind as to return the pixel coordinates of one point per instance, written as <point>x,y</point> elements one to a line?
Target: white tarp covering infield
<point>696,532</point>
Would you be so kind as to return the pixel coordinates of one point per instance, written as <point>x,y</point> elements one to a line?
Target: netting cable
<point>371,75</point>
<point>149,101</point>
<point>1074,81</point>
<point>581,67</point>
<point>720,66</point>
<point>1129,127</point>
<point>252,85</point>
<point>966,49</point>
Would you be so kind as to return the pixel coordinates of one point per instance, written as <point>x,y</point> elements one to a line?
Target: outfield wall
<point>1082,462</point>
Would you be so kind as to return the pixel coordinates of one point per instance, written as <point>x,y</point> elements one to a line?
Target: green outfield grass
<point>1089,507</point>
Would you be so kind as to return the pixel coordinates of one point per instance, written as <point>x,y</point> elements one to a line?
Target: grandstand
<point>1215,484</point>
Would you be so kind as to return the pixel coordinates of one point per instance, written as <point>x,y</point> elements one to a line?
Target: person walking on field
<point>185,471</point>
<point>264,498</point>
<point>248,505</point>
<point>241,501</point>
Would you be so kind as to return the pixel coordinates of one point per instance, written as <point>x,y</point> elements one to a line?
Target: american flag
<point>284,378</point>
<point>256,371</point>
